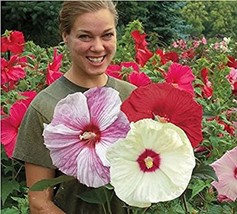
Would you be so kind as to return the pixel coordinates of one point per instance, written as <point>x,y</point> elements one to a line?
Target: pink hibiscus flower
<point>226,171</point>
<point>11,124</point>
<point>114,71</point>
<point>83,127</point>
<point>180,76</point>
<point>232,78</point>
<point>12,70</point>
<point>13,42</point>
<point>168,104</point>
<point>53,72</point>
<point>139,78</point>
<point>143,54</point>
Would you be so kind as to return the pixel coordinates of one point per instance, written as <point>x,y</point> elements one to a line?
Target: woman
<point>88,28</point>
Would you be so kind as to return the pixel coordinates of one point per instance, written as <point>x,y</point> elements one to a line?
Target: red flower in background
<point>114,71</point>
<point>11,85</point>
<point>169,104</point>
<point>180,76</point>
<point>14,42</point>
<point>188,54</point>
<point>53,72</point>
<point>227,127</point>
<point>143,54</point>
<point>12,70</point>
<point>207,89</point>
<point>10,124</point>
<point>232,62</point>
<point>139,79</point>
<point>166,57</point>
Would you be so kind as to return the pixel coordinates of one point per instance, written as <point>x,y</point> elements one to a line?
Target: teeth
<point>96,60</point>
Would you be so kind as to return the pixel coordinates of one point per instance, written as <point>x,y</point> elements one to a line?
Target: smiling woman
<point>88,30</point>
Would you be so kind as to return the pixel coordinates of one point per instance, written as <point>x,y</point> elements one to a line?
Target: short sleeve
<point>30,143</point>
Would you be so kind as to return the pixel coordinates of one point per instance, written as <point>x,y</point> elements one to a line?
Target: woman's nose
<point>97,45</point>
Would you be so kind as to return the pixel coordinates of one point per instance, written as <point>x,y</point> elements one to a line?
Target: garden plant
<point>204,70</point>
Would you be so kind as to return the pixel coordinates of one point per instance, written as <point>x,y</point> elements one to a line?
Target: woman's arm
<point>40,201</point>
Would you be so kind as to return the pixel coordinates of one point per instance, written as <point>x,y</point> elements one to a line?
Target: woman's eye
<point>85,38</point>
<point>108,36</point>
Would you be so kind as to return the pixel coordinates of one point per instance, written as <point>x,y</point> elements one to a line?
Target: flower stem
<point>183,198</point>
<point>108,202</point>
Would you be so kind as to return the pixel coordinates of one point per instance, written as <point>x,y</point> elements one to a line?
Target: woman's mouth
<point>96,60</point>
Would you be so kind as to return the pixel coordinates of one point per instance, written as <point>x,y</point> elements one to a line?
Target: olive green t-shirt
<point>30,144</point>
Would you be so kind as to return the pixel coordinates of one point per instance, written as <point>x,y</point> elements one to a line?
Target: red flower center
<point>235,173</point>
<point>91,135</point>
<point>149,161</point>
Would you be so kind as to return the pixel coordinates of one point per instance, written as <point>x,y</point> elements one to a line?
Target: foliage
<point>159,18</point>
<point>219,116</point>
<point>211,18</point>
<point>36,19</point>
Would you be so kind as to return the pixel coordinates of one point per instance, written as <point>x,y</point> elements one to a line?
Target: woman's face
<point>92,42</point>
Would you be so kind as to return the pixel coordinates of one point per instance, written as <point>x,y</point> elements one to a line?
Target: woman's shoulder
<point>124,88</point>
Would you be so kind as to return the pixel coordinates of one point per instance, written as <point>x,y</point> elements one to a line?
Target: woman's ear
<point>64,36</point>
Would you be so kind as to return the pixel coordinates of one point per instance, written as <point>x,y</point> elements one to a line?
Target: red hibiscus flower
<point>11,85</point>
<point>10,124</point>
<point>139,79</point>
<point>53,72</point>
<point>12,70</point>
<point>13,42</point>
<point>232,62</point>
<point>180,76</point>
<point>143,54</point>
<point>114,71</point>
<point>169,104</point>
<point>188,54</point>
<point>207,89</point>
<point>166,57</point>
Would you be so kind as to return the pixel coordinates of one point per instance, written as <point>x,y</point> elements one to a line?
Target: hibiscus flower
<point>143,164</point>
<point>166,57</point>
<point>232,62</point>
<point>114,71</point>
<point>143,54</point>
<point>168,104</point>
<point>53,72</point>
<point>139,78</point>
<point>232,78</point>
<point>14,41</point>
<point>11,124</point>
<point>12,70</point>
<point>226,171</point>
<point>180,76</point>
<point>207,89</point>
<point>83,127</point>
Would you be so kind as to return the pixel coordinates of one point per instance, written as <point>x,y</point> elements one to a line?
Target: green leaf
<point>99,195</point>
<point>198,187</point>
<point>204,171</point>
<point>8,187</point>
<point>46,183</point>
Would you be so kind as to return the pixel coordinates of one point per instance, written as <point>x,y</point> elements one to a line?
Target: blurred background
<point>164,20</point>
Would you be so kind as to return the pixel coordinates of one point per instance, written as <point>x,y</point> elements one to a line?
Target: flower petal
<point>91,171</point>
<point>72,111</point>
<point>104,105</point>
<point>139,188</point>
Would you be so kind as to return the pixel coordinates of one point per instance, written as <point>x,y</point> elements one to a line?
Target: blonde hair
<point>72,9</point>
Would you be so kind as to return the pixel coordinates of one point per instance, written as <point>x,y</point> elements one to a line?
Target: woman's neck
<point>86,81</point>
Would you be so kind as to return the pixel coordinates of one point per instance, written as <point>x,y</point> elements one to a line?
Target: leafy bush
<point>211,62</point>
